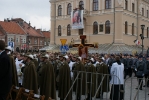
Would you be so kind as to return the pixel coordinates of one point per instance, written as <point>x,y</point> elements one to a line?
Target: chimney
<point>29,24</point>
<point>39,30</point>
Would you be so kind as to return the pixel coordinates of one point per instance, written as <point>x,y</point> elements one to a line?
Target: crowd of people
<point>46,72</point>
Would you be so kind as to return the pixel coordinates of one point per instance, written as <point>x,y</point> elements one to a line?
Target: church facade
<point>105,21</point>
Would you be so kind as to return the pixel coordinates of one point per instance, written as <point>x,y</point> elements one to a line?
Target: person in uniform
<point>30,74</point>
<point>64,80</point>
<point>140,71</point>
<point>47,78</point>
<point>35,60</point>
<point>77,88</point>
<point>129,65</point>
<point>102,68</point>
<point>91,79</point>
<point>147,72</point>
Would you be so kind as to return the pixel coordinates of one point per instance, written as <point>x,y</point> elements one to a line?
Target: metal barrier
<point>134,89</point>
<point>97,81</point>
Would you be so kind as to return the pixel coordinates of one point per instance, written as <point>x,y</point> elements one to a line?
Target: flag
<point>137,42</point>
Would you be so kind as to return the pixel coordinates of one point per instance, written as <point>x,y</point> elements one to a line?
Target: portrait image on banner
<point>77,19</point>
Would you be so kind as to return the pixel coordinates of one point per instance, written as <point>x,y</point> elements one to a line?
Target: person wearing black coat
<point>5,72</point>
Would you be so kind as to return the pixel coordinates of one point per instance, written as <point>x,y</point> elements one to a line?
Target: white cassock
<point>71,65</point>
<point>117,72</point>
<point>19,73</point>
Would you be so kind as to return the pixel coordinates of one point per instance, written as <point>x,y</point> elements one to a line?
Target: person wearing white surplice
<point>117,80</point>
<point>19,65</point>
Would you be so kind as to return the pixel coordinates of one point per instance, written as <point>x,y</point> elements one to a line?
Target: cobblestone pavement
<point>142,94</point>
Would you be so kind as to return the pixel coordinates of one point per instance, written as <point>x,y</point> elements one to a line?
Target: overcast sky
<point>35,11</point>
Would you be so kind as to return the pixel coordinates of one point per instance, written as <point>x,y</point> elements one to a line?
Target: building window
<point>24,40</point>
<point>8,39</point>
<point>41,42</point>
<point>95,5</point>
<point>133,7</point>
<point>107,27</point>
<point>147,32</point>
<point>59,10</point>
<point>126,4</point>
<point>59,31</point>
<point>101,28</point>
<point>17,40</point>
<point>68,30</point>
<point>126,27</point>
<point>142,11</point>
<point>147,13</point>
<point>80,31</point>
<point>69,9</point>
<point>95,28</point>
<point>35,41</point>
<point>107,4</point>
<point>132,28</point>
<point>81,5</point>
<point>29,41</point>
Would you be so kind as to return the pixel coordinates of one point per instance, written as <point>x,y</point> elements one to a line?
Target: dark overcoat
<point>47,81</point>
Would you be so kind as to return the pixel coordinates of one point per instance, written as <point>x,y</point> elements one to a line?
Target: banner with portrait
<point>77,19</point>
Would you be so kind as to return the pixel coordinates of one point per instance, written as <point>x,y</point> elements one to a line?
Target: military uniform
<point>140,71</point>
<point>47,81</point>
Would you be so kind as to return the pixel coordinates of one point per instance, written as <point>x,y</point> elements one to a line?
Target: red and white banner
<point>137,42</point>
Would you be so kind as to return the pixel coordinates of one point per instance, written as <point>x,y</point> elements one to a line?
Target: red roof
<point>12,28</point>
<point>30,30</point>
<point>46,34</point>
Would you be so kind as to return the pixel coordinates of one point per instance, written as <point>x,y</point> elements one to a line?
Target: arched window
<point>59,10</point>
<point>95,28</point>
<point>81,5</point>
<point>69,9</point>
<point>107,4</point>
<point>132,28</point>
<point>126,27</point>
<point>142,11</point>
<point>126,4</point>
<point>59,30</point>
<point>68,30</point>
<point>107,27</point>
<point>95,5</point>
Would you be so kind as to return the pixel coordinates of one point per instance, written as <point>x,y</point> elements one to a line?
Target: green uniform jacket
<point>103,69</point>
<point>64,81</point>
<point>14,71</point>
<point>36,63</point>
<point>30,77</point>
<point>47,81</point>
<point>91,68</point>
<point>80,67</point>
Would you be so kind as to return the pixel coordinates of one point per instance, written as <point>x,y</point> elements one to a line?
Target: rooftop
<point>12,28</point>
<point>46,34</point>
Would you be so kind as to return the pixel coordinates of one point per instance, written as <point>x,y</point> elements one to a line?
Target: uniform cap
<point>9,48</point>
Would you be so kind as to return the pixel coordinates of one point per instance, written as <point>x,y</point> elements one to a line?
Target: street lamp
<point>142,36</point>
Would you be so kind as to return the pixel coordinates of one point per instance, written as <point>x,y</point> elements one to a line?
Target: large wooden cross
<point>83,47</point>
